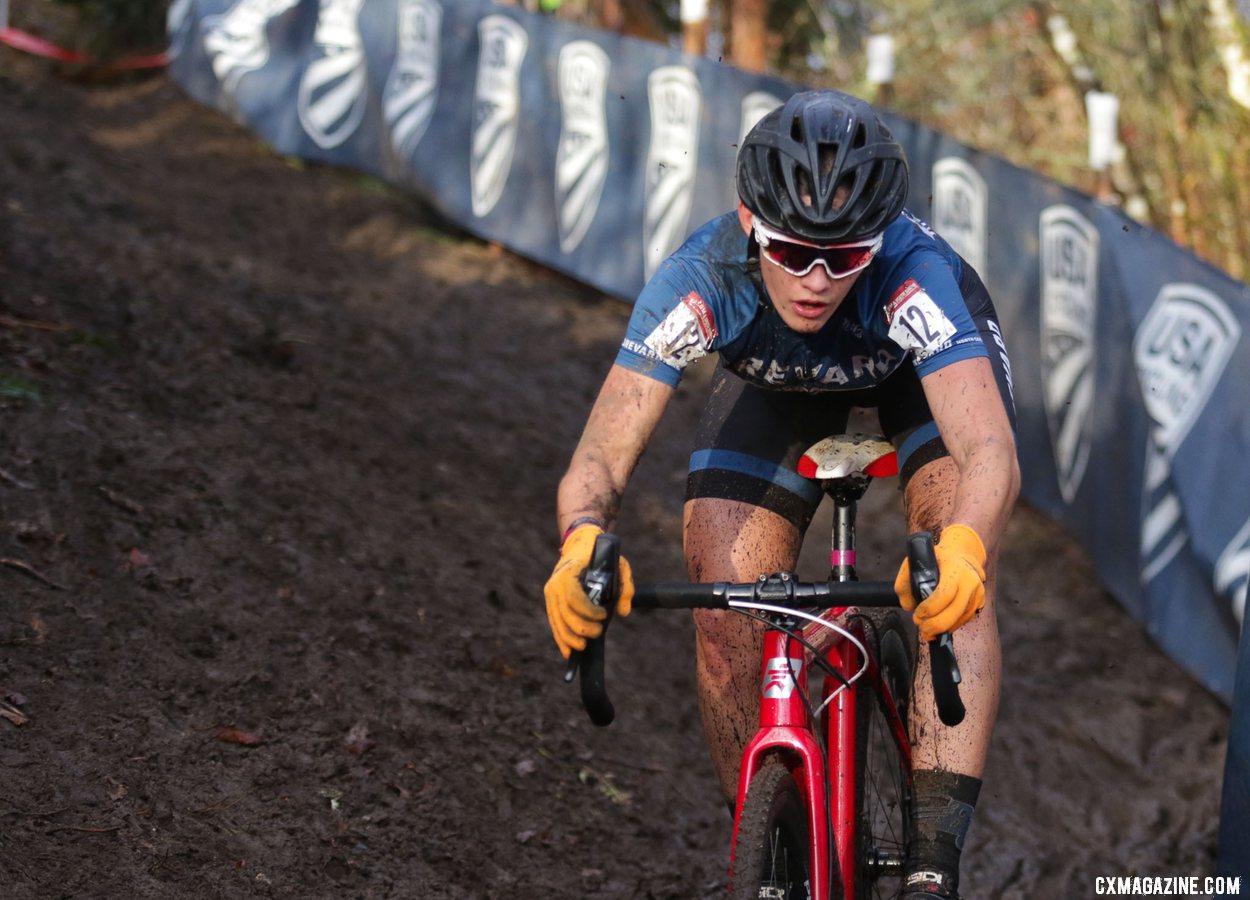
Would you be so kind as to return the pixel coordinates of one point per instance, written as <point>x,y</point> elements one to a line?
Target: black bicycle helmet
<point>793,161</point>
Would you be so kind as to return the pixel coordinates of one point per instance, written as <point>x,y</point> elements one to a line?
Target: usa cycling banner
<point>597,154</point>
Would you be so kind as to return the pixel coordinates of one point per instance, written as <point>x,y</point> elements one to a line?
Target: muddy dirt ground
<point>278,456</point>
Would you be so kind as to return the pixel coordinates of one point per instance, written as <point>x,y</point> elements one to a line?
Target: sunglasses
<point>799,257</point>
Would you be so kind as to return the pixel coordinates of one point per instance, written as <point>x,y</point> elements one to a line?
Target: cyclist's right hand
<point>573,618</point>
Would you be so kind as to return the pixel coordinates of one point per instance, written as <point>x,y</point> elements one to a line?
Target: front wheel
<point>771,853</point>
<point>883,776</point>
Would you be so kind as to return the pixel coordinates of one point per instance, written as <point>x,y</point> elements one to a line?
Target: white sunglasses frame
<point>765,235</point>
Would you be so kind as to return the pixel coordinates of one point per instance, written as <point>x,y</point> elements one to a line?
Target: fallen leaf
<point>39,628</point>
<point>357,740</point>
<point>118,793</point>
<point>14,697</point>
<point>235,736</point>
<point>502,669</point>
<point>523,837</point>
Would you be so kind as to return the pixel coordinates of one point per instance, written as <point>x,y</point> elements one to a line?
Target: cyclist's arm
<point>621,423</point>
<point>968,411</point>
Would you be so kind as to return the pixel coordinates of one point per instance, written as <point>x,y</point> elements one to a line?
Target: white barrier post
<point>1103,110</point>
<point>880,53</point>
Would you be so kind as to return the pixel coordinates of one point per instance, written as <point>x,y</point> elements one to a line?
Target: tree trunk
<point>612,16</point>
<point>749,48</point>
<point>694,27</point>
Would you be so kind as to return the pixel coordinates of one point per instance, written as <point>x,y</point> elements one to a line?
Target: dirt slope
<point>277,465</point>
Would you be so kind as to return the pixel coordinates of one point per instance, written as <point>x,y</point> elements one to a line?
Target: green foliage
<point>114,27</point>
<point>17,387</point>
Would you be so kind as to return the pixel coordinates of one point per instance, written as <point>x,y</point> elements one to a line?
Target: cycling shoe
<point>929,884</point>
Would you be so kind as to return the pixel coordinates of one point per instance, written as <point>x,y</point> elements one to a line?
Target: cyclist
<point>820,294</point>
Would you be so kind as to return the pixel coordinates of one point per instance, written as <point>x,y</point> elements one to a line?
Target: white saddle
<point>848,455</point>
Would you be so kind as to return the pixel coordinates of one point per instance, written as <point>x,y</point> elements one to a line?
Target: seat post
<point>845,492</point>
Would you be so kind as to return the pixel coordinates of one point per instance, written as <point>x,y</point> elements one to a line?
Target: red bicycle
<point>824,796</point>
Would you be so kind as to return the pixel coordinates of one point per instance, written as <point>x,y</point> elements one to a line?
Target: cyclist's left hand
<point>960,591</point>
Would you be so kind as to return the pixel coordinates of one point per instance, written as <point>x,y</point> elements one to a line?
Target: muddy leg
<point>730,541</point>
<point>930,498</point>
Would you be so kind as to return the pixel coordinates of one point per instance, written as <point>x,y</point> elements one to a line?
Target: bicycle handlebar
<point>780,589</point>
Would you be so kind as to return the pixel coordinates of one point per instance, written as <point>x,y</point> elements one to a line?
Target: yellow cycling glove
<point>572,616</point>
<point>960,591</point>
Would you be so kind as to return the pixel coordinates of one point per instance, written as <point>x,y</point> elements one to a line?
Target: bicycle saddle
<point>848,455</point>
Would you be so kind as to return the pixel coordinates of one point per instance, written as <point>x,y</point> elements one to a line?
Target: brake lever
<point>943,667</point>
<point>595,582</point>
<point>601,582</point>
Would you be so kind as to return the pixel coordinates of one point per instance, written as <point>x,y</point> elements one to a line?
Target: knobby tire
<point>770,857</point>
<point>883,783</point>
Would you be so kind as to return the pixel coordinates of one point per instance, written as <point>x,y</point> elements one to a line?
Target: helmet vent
<point>861,137</point>
<point>796,129</point>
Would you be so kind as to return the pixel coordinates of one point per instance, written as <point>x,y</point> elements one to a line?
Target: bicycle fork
<point>786,729</point>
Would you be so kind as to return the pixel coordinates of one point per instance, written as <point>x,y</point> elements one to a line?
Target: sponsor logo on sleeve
<point>996,335</point>
<point>411,90</point>
<point>1181,349</point>
<point>236,41</point>
<point>1069,284</point>
<point>496,109</point>
<point>916,322</point>
<point>332,95</point>
<point>959,204</point>
<point>672,156</point>
<point>582,155</point>
<point>686,333</point>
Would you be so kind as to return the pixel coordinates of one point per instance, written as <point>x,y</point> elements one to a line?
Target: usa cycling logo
<point>781,677</point>
<point>1069,282</point>
<point>1181,349</point>
<point>755,106</point>
<point>582,156</point>
<point>236,41</point>
<point>672,156</point>
<point>412,87</point>
<point>496,109</point>
<point>959,204</point>
<point>1232,572</point>
<point>331,100</point>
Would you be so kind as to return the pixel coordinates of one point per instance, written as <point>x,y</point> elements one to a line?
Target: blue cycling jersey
<point>709,297</point>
